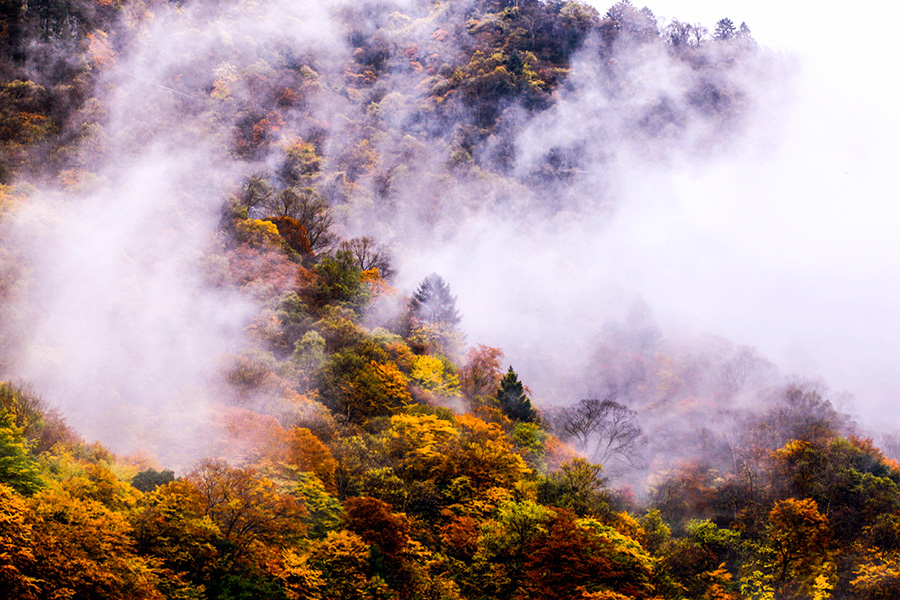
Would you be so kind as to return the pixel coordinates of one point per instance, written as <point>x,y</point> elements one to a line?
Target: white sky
<point>804,240</point>
<point>791,245</point>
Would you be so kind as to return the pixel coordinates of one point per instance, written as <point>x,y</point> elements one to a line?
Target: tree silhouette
<point>602,429</point>
<point>725,30</point>
<point>432,302</point>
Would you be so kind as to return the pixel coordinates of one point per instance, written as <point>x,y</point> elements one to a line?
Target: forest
<point>217,381</point>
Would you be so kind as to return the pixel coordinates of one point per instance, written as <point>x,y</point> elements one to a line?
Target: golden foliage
<point>421,444</point>
<point>256,232</point>
<point>431,373</point>
<point>307,453</point>
<point>486,455</point>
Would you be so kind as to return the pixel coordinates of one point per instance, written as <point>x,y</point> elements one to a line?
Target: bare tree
<point>679,35</point>
<point>368,255</point>
<point>257,192</point>
<point>602,429</point>
<point>313,215</point>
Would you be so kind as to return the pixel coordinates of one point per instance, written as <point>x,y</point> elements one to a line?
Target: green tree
<point>150,479</point>
<point>17,468</point>
<point>339,281</point>
<point>513,401</point>
<point>503,547</point>
<point>433,302</point>
<point>578,486</point>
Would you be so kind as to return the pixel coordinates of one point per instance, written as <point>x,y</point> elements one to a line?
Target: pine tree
<point>432,302</point>
<point>513,401</point>
<point>725,30</point>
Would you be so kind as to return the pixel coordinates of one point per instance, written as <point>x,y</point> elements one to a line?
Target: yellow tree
<point>16,552</point>
<point>249,510</point>
<point>82,549</point>
<point>343,560</point>
<point>878,578</point>
<point>420,444</point>
<point>171,525</point>
<point>486,455</point>
<point>434,375</point>
<point>799,535</point>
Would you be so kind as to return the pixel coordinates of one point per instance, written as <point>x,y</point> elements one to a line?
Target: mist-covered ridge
<point>381,300</point>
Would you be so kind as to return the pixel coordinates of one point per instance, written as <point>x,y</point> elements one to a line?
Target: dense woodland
<point>363,447</point>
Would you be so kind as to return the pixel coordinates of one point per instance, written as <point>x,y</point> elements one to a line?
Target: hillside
<point>226,374</point>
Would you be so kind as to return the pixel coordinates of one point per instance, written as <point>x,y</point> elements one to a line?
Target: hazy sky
<point>787,243</point>
<point>796,247</point>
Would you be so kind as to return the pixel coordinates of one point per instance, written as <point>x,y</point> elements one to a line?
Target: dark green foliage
<point>513,401</point>
<point>250,586</point>
<point>578,486</point>
<point>150,479</point>
<point>847,478</point>
<point>339,281</point>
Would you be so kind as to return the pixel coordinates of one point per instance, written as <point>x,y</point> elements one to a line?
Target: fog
<point>774,232</point>
<point>120,327</point>
<point>784,240</point>
<point>805,255</point>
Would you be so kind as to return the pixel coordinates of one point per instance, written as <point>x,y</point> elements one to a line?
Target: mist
<point>122,326</point>
<point>778,238</point>
<point>762,230</point>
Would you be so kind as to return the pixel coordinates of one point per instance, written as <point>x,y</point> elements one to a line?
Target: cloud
<point>120,327</point>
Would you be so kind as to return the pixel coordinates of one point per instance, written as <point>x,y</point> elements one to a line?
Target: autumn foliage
<point>362,448</point>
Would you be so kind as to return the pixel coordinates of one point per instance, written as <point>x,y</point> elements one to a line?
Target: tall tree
<point>312,214</point>
<point>725,30</point>
<point>799,536</point>
<point>433,302</point>
<point>481,375</point>
<point>512,398</point>
<point>602,429</point>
